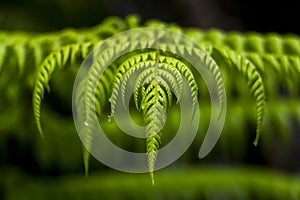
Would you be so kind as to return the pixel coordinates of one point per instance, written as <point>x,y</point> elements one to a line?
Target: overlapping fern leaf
<point>251,74</point>
<point>158,80</point>
<point>55,61</point>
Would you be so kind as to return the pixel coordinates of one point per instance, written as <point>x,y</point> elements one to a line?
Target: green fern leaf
<point>247,69</point>
<point>58,59</point>
<point>155,117</point>
<point>19,50</point>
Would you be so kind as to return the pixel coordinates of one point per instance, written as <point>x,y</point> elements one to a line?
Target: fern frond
<point>252,42</point>
<point>166,76</point>
<point>190,51</point>
<point>156,80</point>
<point>166,93</point>
<point>278,70</point>
<point>20,54</point>
<point>37,51</point>
<point>54,61</point>
<point>187,74</point>
<point>155,117</point>
<point>86,130</point>
<point>129,67</point>
<point>120,83</point>
<point>256,85</point>
<point>103,89</point>
<point>169,69</point>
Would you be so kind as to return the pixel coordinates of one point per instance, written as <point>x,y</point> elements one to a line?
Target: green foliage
<point>54,61</point>
<point>200,183</point>
<point>264,62</point>
<point>159,75</point>
<point>249,71</point>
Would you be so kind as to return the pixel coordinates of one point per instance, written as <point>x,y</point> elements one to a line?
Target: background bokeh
<point>50,15</point>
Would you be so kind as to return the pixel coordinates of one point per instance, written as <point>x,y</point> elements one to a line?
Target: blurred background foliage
<point>52,167</point>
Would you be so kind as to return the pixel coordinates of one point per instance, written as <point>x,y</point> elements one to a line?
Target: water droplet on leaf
<point>109,118</point>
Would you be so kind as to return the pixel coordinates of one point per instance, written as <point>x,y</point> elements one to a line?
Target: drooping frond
<point>154,117</point>
<point>179,44</point>
<point>104,88</point>
<point>155,97</point>
<point>20,53</point>
<point>126,69</point>
<point>54,61</point>
<point>147,68</point>
<point>255,83</point>
<point>141,63</point>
